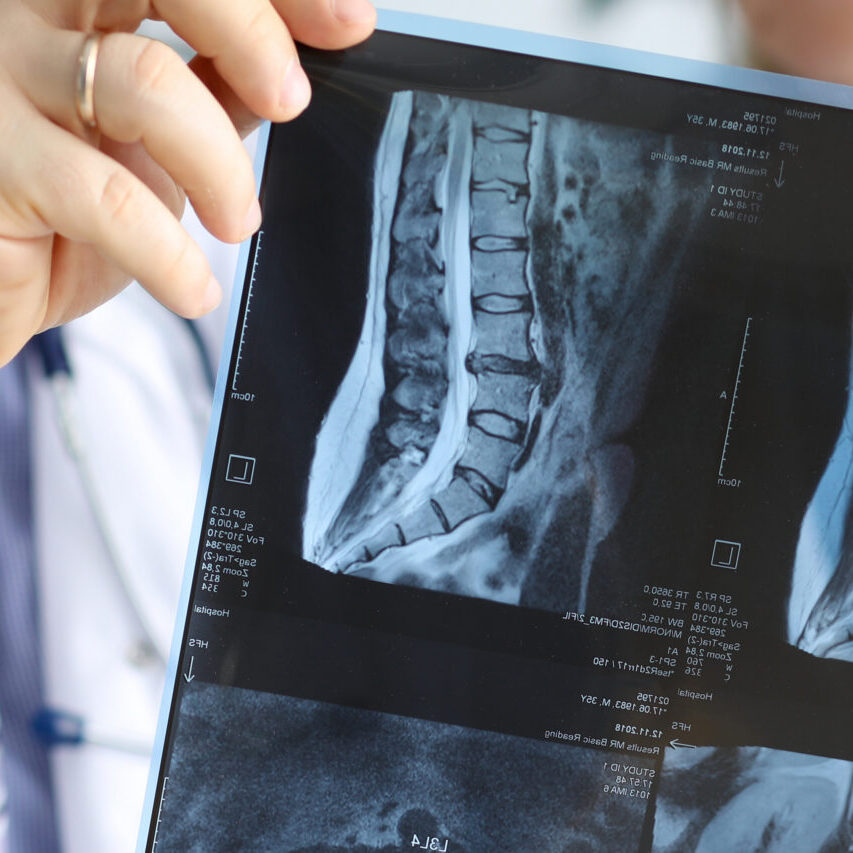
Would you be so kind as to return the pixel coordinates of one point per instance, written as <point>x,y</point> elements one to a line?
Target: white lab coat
<point>142,404</point>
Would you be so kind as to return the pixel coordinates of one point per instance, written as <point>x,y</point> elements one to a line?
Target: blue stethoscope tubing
<point>52,726</point>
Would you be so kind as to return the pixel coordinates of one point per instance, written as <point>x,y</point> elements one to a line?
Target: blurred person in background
<point>93,529</point>
<point>813,39</point>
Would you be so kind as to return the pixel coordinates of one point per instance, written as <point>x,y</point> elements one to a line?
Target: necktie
<point>29,807</point>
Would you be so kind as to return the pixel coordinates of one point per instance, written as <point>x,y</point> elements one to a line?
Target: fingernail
<point>353,11</point>
<point>253,218</point>
<point>212,296</point>
<point>295,90</point>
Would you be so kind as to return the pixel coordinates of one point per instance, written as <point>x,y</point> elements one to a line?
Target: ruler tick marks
<point>246,312</point>
<point>734,397</point>
<point>159,814</point>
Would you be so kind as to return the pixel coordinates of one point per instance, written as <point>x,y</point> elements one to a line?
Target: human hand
<point>83,211</point>
<point>813,39</point>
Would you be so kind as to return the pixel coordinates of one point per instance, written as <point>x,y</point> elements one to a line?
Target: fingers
<point>41,287</point>
<point>48,280</point>
<point>72,263</point>
<point>145,93</point>
<point>24,292</point>
<point>74,220</point>
<point>62,184</point>
<point>243,119</point>
<point>251,43</point>
<point>138,161</point>
<point>328,24</point>
<point>250,47</point>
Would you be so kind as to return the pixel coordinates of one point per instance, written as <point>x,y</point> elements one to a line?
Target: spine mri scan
<point>519,277</point>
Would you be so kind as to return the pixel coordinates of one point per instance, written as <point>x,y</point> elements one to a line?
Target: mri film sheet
<point>528,525</point>
<point>338,779</point>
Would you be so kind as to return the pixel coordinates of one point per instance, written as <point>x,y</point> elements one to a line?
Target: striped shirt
<point>26,813</point>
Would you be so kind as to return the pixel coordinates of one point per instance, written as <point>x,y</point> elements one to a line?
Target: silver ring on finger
<point>84,90</point>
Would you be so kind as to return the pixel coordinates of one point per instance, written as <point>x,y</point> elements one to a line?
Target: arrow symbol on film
<point>676,744</point>
<point>188,675</point>
<point>780,181</point>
